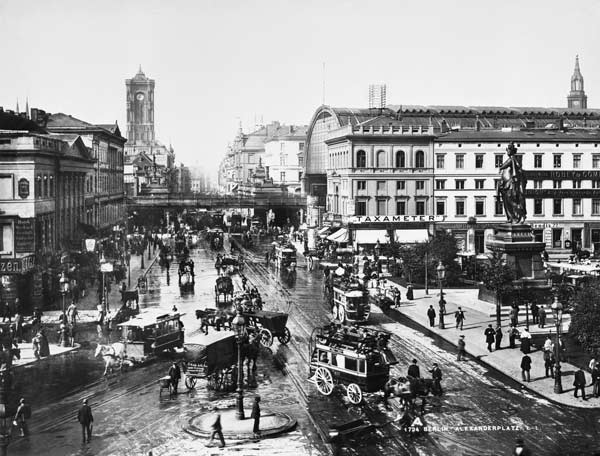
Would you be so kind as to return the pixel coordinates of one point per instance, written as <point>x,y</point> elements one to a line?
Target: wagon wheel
<point>324,381</point>
<point>354,393</point>
<point>190,382</point>
<point>266,337</point>
<point>285,337</point>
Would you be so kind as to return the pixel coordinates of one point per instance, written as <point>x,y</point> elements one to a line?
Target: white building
<point>284,156</point>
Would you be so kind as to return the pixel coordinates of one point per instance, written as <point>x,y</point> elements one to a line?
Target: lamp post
<point>426,275</point>
<point>441,274</point>
<point>64,289</point>
<point>557,309</point>
<point>128,268</point>
<point>239,327</point>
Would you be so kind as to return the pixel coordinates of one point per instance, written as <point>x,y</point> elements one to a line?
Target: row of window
<point>538,161</point>
<point>380,159</point>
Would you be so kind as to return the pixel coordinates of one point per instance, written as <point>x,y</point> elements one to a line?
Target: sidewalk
<point>271,424</point>
<point>505,360</point>
<point>27,356</point>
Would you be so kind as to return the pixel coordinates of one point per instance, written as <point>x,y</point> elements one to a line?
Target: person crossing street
<point>86,420</point>
<point>490,335</point>
<point>436,375</point>
<point>431,315</point>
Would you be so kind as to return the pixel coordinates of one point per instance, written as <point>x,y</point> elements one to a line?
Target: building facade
<point>284,155</point>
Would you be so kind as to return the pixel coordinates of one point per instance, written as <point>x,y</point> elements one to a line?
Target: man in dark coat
<point>579,383</point>
<point>542,317</point>
<point>256,416</point>
<point>217,431</point>
<point>413,370</point>
<point>459,315</point>
<point>596,380</point>
<point>535,313</point>
<point>175,374</point>
<point>86,419</point>
<point>526,368</point>
<point>490,336</point>
<point>436,375</point>
<point>431,315</point>
<point>498,337</point>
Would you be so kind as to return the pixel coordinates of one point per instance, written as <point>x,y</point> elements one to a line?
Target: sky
<point>219,63</point>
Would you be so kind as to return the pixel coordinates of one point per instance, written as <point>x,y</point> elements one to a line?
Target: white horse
<point>113,355</point>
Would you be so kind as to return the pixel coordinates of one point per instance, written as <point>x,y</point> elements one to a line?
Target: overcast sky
<point>218,62</point>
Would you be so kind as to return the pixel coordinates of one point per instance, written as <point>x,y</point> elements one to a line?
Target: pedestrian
<point>461,348</point>
<point>431,315</point>
<point>548,345</point>
<point>521,449</point>
<point>489,334</point>
<point>6,312</point>
<point>542,317</point>
<point>72,313</point>
<point>35,345</point>
<point>526,368</point>
<point>459,316</point>
<point>514,315</point>
<point>267,258</point>
<point>525,341</point>
<point>310,262</point>
<point>436,375</point>
<point>256,415</point>
<point>217,431</point>
<point>513,333</point>
<point>592,363</point>
<point>413,370</point>
<point>549,361</point>
<point>21,417</point>
<point>498,337</point>
<point>596,380</point>
<point>175,374</point>
<point>535,313</point>
<point>562,350</point>
<point>579,383</point>
<point>86,420</point>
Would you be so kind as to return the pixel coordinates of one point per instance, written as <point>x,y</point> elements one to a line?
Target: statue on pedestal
<point>512,187</point>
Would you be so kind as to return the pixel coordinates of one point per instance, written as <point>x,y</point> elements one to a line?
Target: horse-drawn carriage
<point>129,306</point>
<point>215,318</point>
<point>284,255</point>
<point>268,325</point>
<point>229,264</point>
<point>215,238</point>
<point>150,333</point>
<point>385,297</point>
<point>211,356</point>
<point>357,359</point>
<point>223,291</point>
<point>348,298</point>
<point>186,272</point>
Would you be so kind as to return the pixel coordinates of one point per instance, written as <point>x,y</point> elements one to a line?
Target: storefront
<point>18,280</point>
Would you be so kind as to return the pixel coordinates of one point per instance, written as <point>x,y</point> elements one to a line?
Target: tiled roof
<point>13,122</point>
<point>60,120</point>
<point>521,135</point>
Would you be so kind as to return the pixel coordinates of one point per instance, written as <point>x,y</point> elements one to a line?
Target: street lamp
<point>5,386</point>
<point>64,289</point>
<point>557,310</point>
<point>441,274</point>
<point>128,258</point>
<point>239,327</point>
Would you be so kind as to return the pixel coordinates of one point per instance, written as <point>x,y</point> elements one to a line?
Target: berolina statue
<point>512,187</point>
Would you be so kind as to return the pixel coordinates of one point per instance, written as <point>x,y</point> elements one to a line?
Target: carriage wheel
<point>354,393</point>
<point>285,338</point>
<point>324,381</point>
<point>266,337</point>
<point>190,382</point>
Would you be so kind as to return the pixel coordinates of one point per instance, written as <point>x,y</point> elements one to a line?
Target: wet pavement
<point>481,412</point>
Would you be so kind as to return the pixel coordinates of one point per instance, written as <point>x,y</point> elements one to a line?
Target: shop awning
<point>339,236</point>
<point>323,231</point>
<point>411,236</point>
<point>371,237</point>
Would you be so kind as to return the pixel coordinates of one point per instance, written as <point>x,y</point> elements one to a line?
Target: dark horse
<point>407,389</point>
<point>250,351</point>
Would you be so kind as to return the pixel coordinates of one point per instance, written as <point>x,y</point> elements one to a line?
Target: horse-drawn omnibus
<point>284,255</point>
<point>357,359</point>
<point>150,333</point>
<point>211,356</point>
<point>349,300</point>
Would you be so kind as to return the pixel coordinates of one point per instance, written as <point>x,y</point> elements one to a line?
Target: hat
<point>414,360</point>
<point>22,400</point>
<point>85,401</point>
<point>435,364</point>
<point>462,336</point>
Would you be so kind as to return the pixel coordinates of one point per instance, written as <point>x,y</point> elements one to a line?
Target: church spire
<point>577,98</point>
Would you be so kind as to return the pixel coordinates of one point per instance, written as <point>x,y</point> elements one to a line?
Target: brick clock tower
<point>577,99</point>
<point>140,109</point>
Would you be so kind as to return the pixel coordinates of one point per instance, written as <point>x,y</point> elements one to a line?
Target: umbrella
<point>340,271</point>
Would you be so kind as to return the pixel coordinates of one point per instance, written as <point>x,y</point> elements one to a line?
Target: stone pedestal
<point>522,253</point>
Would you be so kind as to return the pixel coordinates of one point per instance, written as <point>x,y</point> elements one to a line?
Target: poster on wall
<point>24,235</point>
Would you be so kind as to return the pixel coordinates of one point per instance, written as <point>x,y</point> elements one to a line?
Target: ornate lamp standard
<point>64,289</point>
<point>557,309</point>
<point>128,258</point>
<point>239,327</point>
<point>441,274</point>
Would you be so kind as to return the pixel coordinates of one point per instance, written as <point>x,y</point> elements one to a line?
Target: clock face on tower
<point>140,96</point>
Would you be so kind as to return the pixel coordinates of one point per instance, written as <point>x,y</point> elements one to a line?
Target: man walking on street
<point>413,370</point>
<point>535,313</point>
<point>431,315</point>
<point>489,334</point>
<point>436,375</point>
<point>72,313</point>
<point>217,431</point>
<point>498,337</point>
<point>459,315</point>
<point>461,348</point>
<point>579,384</point>
<point>21,417</point>
<point>175,374</point>
<point>542,317</point>
<point>256,416</point>
<point>526,368</point>
<point>86,419</point>
<point>596,380</point>
<point>512,335</point>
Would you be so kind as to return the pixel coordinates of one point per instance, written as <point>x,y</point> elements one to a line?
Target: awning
<point>411,236</point>
<point>339,236</point>
<point>371,237</point>
<point>323,230</point>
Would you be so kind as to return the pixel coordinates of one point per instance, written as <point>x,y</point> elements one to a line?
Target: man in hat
<point>86,419</point>
<point>413,370</point>
<point>431,315</point>
<point>175,374</point>
<point>461,348</point>
<point>22,415</point>
<point>459,316</point>
<point>436,375</point>
<point>256,416</point>
<point>521,449</point>
<point>489,334</point>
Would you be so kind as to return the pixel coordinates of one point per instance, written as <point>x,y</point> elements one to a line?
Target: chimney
<point>291,129</point>
<point>477,123</point>
<point>561,123</point>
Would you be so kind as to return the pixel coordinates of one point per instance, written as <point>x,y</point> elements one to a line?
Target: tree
<point>443,247</point>
<point>497,277</point>
<point>585,316</point>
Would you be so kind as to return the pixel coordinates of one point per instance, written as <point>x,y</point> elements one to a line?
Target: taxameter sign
<point>16,265</point>
<point>24,235</point>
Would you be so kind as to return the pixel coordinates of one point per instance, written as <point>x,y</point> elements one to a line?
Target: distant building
<point>577,98</point>
<point>377,95</point>
<point>284,156</point>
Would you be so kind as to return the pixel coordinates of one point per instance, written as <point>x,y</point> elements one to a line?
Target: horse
<point>407,389</point>
<point>250,350</point>
<point>112,354</point>
<point>289,273</point>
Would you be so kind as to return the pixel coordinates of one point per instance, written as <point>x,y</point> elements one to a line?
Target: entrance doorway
<point>576,239</point>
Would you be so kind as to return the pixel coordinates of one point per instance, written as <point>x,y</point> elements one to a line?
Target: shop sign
<point>16,265</point>
<point>577,175</point>
<point>106,267</point>
<point>24,235</point>
<point>396,218</point>
<point>562,193</point>
<point>23,188</point>
<point>541,226</point>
